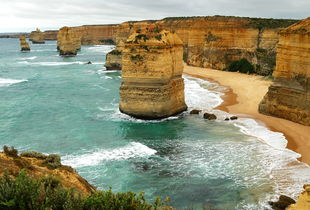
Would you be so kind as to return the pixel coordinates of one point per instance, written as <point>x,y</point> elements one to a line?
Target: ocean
<point>53,104</point>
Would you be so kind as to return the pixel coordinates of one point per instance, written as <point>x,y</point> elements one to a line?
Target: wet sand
<point>244,94</point>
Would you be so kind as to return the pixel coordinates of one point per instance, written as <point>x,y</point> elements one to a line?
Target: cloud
<point>17,15</point>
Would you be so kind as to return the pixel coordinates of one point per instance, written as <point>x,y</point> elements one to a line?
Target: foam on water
<point>132,150</point>
<point>101,48</point>
<point>281,164</point>
<point>52,63</point>
<point>8,82</point>
<point>28,58</point>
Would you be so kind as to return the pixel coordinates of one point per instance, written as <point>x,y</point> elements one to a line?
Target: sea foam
<point>8,82</point>
<point>132,150</point>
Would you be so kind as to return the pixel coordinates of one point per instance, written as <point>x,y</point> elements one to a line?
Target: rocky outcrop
<point>37,37</point>
<point>24,44</point>
<point>114,59</point>
<point>289,96</point>
<point>215,42</point>
<point>50,35</point>
<point>303,201</point>
<point>35,165</point>
<point>152,84</point>
<point>68,41</point>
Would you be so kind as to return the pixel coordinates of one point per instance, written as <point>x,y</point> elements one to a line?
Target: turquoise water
<point>61,105</point>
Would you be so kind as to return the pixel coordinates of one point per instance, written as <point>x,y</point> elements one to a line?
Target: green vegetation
<point>136,57</point>
<point>145,47</point>
<point>261,23</point>
<point>141,36</point>
<point>210,37</point>
<point>268,58</point>
<point>108,41</point>
<point>115,52</point>
<point>158,37</point>
<point>242,65</point>
<point>10,151</point>
<point>24,192</point>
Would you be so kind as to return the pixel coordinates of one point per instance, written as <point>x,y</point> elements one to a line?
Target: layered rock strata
<point>50,35</point>
<point>114,59</point>
<point>215,42</point>
<point>24,44</point>
<point>152,84</point>
<point>37,37</point>
<point>68,41</point>
<point>289,96</point>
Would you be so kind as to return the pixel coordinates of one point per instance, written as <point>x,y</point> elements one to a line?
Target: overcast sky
<point>26,15</point>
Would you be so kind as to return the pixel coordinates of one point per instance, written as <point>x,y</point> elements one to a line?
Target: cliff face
<point>303,201</point>
<point>36,167</point>
<point>68,41</point>
<point>23,44</point>
<point>50,35</point>
<point>37,37</point>
<point>152,84</point>
<point>289,96</point>
<point>114,59</point>
<point>96,34</point>
<point>215,42</point>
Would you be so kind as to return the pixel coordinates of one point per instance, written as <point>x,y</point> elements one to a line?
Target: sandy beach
<point>244,95</point>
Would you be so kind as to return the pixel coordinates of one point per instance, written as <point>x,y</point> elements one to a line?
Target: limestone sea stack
<point>37,37</point>
<point>24,44</point>
<point>289,96</point>
<point>68,42</point>
<point>152,84</point>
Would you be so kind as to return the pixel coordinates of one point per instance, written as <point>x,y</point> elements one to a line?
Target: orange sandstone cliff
<point>68,41</point>
<point>215,42</point>
<point>50,35</point>
<point>37,37</point>
<point>289,96</point>
<point>152,84</point>
<point>303,202</point>
<point>24,44</point>
<point>39,165</point>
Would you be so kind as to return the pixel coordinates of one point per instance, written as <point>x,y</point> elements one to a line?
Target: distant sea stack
<point>289,96</point>
<point>24,44</point>
<point>37,37</point>
<point>152,84</point>
<point>68,42</point>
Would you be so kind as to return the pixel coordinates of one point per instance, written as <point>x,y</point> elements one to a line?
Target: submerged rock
<point>209,116</point>
<point>195,111</point>
<point>37,37</point>
<point>152,67</point>
<point>68,42</point>
<point>24,44</point>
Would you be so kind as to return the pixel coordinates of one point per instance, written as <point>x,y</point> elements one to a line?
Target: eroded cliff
<point>50,35</point>
<point>152,84</point>
<point>39,165</point>
<point>289,96</point>
<point>37,37</point>
<point>24,44</point>
<point>303,202</point>
<point>215,42</point>
<point>68,41</point>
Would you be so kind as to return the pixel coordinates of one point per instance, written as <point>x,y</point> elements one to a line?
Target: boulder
<point>209,116</point>
<point>283,202</point>
<point>233,118</point>
<point>195,111</point>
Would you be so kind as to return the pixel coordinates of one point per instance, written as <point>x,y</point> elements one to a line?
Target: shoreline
<point>243,97</point>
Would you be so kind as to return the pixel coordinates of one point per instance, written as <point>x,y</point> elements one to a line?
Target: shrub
<point>52,161</point>
<point>33,154</point>
<point>242,65</point>
<point>10,151</point>
<point>115,52</point>
<point>24,192</point>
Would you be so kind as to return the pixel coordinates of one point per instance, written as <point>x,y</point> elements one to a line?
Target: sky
<point>26,15</point>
